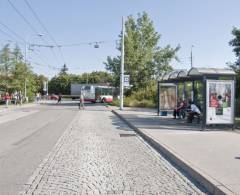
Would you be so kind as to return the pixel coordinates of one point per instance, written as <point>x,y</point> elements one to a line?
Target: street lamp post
<point>25,60</point>
<point>193,83</point>
<point>191,57</point>
<point>122,68</point>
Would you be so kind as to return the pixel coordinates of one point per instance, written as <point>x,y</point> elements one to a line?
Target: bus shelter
<point>211,89</point>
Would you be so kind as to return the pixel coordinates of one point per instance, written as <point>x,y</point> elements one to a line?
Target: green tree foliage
<point>235,43</point>
<point>39,82</point>
<point>14,72</point>
<point>60,84</point>
<point>64,69</point>
<point>6,67</point>
<point>144,59</point>
<point>113,66</point>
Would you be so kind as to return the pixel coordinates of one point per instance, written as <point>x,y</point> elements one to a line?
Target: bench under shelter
<point>211,89</point>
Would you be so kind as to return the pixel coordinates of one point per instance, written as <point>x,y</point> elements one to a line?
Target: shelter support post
<point>193,92</point>
<point>235,103</point>
<point>184,91</point>
<point>204,110</point>
<point>158,102</point>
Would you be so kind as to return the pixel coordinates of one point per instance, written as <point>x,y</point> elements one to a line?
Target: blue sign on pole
<point>126,80</point>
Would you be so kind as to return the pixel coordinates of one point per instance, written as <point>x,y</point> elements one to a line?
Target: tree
<point>64,69</point>
<point>235,43</point>
<point>17,54</point>
<point>6,66</point>
<point>39,82</point>
<point>14,72</point>
<point>60,84</point>
<point>143,57</point>
<point>6,59</point>
<point>113,66</point>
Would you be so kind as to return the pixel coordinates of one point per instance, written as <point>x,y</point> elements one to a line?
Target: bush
<point>145,98</point>
<point>147,93</point>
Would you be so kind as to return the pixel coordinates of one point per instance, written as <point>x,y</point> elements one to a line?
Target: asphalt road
<point>26,140</point>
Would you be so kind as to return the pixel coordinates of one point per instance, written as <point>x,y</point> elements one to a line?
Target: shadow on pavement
<point>119,124</point>
<point>150,120</point>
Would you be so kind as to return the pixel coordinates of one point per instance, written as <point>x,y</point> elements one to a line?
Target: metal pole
<point>25,82</point>
<point>191,57</point>
<point>192,97</point>
<point>158,105</point>
<point>47,88</point>
<point>205,99</point>
<point>25,88</point>
<point>122,68</point>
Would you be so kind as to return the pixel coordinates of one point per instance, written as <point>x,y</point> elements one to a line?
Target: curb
<point>48,160</point>
<point>211,185</point>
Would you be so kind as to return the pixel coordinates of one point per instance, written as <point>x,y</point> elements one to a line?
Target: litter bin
<point>163,113</point>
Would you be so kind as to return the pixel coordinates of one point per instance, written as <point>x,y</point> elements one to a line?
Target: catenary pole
<point>25,60</point>
<point>122,68</point>
<point>193,84</point>
<point>191,57</point>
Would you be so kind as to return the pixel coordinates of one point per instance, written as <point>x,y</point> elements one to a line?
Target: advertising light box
<point>220,102</point>
<point>167,97</point>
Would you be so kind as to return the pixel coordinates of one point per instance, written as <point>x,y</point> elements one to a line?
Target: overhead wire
<point>31,27</point>
<point>73,44</point>
<point>6,34</point>
<point>44,27</point>
<point>43,59</point>
<point>82,43</point>
<point>19,36</point>
<point>13,32</point>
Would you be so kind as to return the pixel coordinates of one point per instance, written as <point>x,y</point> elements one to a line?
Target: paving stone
<point>92,158</point>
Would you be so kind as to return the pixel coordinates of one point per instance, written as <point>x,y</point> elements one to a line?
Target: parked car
<point>53,97</point>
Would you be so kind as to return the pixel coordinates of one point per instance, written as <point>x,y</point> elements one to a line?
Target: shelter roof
<point>210,71</point>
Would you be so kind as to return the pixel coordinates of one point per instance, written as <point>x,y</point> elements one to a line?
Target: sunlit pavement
<point>99,154</point>
<point>214,153</point>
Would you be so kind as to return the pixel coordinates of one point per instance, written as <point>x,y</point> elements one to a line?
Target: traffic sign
<point>126,80</point>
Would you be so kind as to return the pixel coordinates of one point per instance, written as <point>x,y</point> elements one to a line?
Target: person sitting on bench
<point>194,111</point>
<point>180,106</point>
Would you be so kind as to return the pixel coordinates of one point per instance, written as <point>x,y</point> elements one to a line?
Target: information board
<point>220,102</point>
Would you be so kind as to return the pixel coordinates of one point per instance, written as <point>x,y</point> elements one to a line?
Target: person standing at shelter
<point>81,101</point>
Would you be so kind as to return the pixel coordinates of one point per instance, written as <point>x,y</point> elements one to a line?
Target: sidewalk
<point>13,112</point>
<point>3,107</point>
<point>211,157</point>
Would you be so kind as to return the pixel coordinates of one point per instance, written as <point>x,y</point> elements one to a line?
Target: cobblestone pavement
<point>99,154</point>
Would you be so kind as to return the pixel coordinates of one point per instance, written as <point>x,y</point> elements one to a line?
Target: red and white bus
<point>92,92</point>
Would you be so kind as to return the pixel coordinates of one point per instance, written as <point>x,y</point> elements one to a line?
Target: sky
<point>205,24</point>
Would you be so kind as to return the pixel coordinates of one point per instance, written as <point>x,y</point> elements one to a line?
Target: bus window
<point>87,88</point>
<point>106,91</point>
